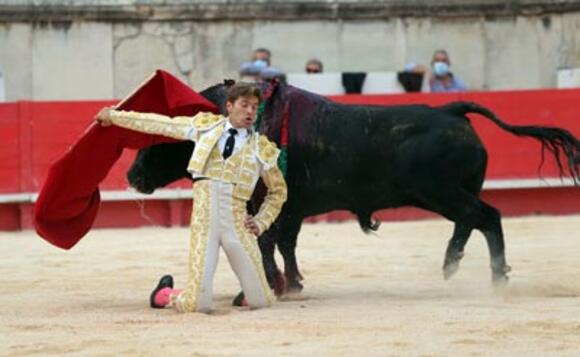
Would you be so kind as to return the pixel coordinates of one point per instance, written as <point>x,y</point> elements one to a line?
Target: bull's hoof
<point>280,284</point>
<point>451,264</point>
<point>499,277</point>
<point>500,283</point>
<point>450,269</point>
<point>294,287</point>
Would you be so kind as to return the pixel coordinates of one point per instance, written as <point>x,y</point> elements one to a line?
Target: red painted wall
<point>35,134</point>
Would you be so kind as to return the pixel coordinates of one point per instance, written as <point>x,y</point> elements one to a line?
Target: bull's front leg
<point>287,247</point>
<point>267,243</point>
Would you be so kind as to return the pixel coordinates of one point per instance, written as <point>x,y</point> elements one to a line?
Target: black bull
<point>366,158</point>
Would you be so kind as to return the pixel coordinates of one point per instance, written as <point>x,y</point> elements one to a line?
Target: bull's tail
<point>560,142</point>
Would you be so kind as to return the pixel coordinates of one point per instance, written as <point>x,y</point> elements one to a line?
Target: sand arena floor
<point>377,295</point>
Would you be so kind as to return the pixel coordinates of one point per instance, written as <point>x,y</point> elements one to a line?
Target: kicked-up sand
<point>365,295</point>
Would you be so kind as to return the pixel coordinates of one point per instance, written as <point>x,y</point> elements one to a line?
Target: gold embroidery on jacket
<point>204,121</point>
<point>203,148</point>
<point>277,194</point>
<point>267,152</point>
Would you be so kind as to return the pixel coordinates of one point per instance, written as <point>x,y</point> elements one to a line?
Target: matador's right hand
<point>103,117</point>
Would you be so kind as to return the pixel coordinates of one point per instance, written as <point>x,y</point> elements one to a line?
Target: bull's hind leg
<point>469,212</point>
<point>454,252</point>
<point>492,230</point>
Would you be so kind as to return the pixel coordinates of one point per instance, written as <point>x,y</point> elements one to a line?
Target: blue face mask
<point>440,69</point>
<point>260,64</point>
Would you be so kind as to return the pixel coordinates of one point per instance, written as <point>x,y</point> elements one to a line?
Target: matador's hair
<point>243,89</point>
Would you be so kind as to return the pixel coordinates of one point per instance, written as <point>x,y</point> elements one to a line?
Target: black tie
<point>230,142</point>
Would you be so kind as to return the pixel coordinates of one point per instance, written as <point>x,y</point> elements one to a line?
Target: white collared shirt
<point>241,137</point>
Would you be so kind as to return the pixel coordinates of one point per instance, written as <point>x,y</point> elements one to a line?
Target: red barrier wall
<point>35,134</point>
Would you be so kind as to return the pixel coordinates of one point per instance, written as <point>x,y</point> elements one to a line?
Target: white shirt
<point>241,137</point>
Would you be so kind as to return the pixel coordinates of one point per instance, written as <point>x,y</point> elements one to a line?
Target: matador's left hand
<point>251,225</point>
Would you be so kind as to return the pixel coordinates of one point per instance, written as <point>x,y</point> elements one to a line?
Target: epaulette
<point>206,120</point>
<point>267,152</point>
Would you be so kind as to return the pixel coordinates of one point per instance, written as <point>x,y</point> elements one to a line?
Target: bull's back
<point>372,153</point>
<point>375,132</point>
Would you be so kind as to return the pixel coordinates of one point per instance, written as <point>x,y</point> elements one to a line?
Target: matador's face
<point>242,112</point>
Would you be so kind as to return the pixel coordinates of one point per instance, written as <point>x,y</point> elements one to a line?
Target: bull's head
<point>159,165</point>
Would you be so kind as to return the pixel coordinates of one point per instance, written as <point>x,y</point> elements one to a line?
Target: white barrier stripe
<point>527,183</point>
<point>185,193</point>
<point>124,195</point>
<point>16,197</point>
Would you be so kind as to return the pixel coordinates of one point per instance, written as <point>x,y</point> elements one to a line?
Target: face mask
<point>440,68</point>
<point>260,64</point>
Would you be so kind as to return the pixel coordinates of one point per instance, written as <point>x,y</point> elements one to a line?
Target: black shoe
<point>165,282</point>
<point>240,300</point>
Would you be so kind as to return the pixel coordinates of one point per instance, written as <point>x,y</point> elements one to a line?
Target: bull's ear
<point>229,82</point>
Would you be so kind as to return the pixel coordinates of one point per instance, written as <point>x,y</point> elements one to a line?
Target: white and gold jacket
<point>256,158</point>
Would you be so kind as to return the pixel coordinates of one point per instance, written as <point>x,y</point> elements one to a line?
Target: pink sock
<point>163,296</point>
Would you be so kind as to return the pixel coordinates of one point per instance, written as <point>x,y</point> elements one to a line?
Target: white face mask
<point>440,68</point>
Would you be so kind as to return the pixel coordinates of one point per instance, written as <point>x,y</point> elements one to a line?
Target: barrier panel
<point>35,134</point>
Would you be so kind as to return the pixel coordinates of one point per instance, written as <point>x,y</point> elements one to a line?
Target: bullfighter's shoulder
<point>267,152</point>
<point>205,121</point>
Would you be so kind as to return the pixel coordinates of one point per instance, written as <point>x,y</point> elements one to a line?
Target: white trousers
<point>218,221</point>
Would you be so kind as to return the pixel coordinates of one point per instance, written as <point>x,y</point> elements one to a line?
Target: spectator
<point>259,69</point>
<point>314,66</point>
<point>262,54</point>
<point>442,79</point>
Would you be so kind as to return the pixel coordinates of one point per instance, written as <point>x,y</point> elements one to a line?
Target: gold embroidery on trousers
<point>200,219</point>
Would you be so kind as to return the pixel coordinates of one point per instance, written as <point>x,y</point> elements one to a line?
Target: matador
<point>228,159</point>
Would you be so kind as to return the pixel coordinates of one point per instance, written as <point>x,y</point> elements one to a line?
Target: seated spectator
<point>442,79</point>
<point>262,54</point>
<point>259,69</point>
<point>314,66</point>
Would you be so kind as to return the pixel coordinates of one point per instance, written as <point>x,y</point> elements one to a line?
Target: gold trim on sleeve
<point>180,128</point>
<point>275,198</point>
